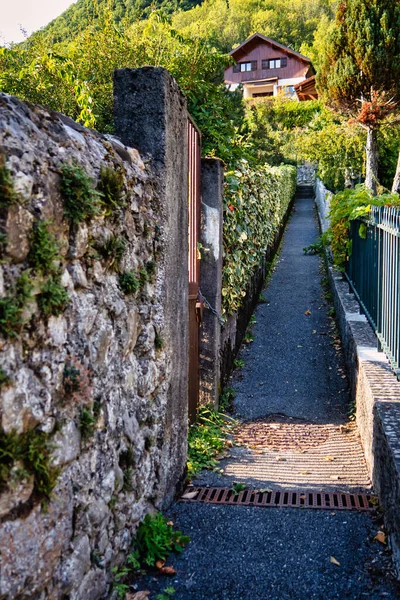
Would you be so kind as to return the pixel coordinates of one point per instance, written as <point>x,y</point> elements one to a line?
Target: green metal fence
<point>373,273</point>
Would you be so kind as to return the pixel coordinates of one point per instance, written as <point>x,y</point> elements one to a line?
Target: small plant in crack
<point>8,194</point>
<point>81,200</point>
<point>44,249</point>
<point>238,363</point>
<point>5,380</point>
<point>111,187</point>
<point>129,282</point>
<point>158,342</point>
<point>166,594</point>
<point>53,297</point>
<point>71,378</point>
<point>226,398</point>
<point>113,250</point>
<point>238,487</point>
<point>87,422</point>
<point>249,338</point>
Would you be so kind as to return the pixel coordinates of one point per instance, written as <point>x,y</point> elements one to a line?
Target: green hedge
<point>255,203</point>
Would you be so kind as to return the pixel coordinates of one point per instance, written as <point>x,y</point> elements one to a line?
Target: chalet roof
<point>269,41</point>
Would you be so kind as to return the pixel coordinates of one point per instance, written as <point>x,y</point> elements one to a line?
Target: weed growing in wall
<point>29,454</point>
<point>71,378</point>
<point>44,249</point>
<point>10,317</point>
<point>113,250</point>
<point>8,194</point>
<point>24,287</point>
<point>87,422</point>
<point>127,464</point>
<point>111,187</point>
<point>158,342</point>
<point>81,200</point>
<point>129,283</point>
<point>53,297</point>
<point>5,380</point>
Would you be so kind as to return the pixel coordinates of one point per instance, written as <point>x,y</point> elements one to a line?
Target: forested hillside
<point>223,23</point>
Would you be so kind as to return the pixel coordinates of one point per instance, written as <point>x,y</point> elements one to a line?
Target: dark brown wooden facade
<point>265,63</point>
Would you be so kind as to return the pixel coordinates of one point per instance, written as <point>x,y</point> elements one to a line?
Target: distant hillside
<point>78,16</point>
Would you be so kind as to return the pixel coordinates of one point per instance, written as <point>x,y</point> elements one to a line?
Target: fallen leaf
<point>280,459</point>
<point>308,312</point>
<point>381,537</point>
<point>264,490</point>
<point>168,571</point>
<point>303,497</point>
<point>334,561</point>
<point>329,458</point>
<point>333,514</point>
<point>314,331</point>
<point>138,595</point>
<point>160,564</point>
<point>190,495</point>
<point>170,523</point>
<point>304,472</point>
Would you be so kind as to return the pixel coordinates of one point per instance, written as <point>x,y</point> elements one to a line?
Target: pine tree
<point>360,70</point>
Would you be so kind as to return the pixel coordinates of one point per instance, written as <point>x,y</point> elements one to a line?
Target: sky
<point>29,14</point>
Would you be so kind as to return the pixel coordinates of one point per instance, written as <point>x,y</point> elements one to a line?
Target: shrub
<point>344,207</point>
<point>255,202</point>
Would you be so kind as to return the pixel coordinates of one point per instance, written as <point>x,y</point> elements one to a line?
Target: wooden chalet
<point>265,68</point>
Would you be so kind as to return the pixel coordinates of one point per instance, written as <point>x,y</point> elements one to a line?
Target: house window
<point>274,63</point>
<point>243,67</point>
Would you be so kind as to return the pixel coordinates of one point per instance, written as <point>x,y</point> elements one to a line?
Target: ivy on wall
<point>256,201</point>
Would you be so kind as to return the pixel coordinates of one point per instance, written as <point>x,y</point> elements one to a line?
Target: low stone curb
<point>376,392</point>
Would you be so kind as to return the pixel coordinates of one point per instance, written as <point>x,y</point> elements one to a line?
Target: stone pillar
<point>151,115</point>
<point>212,181</point>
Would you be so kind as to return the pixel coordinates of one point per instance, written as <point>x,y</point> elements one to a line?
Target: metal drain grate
<point>282,498</point>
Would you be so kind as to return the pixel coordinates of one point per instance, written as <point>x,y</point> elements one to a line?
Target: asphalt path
<point>292,370</point>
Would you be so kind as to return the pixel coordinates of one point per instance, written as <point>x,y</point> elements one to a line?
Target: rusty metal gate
<point>194,154</point>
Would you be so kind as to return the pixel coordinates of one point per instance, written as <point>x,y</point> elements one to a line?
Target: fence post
<point>150,114</point>
<point>212,181</point>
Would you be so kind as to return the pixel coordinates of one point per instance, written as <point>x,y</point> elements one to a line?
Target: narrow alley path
<point>293,400</point>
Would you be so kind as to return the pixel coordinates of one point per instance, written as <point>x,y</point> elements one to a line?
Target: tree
<point>360,70</point>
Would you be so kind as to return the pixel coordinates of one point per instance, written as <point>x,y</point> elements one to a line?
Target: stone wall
<point>89,381</point>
